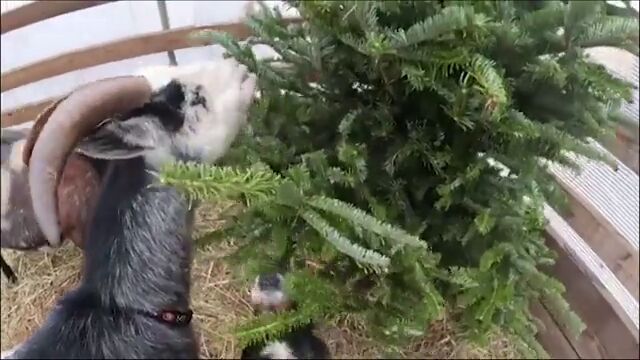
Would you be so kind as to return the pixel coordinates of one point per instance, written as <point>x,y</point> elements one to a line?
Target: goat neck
<point>138,246</point>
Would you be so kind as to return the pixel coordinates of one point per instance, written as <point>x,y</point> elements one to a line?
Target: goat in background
<point>268,295</point>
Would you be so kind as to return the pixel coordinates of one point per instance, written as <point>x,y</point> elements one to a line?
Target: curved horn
<point>61,127</point>
<point>41,119</point>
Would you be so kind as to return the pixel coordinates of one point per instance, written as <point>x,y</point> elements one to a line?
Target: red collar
<point>170,317</point>
<point>83,300</point>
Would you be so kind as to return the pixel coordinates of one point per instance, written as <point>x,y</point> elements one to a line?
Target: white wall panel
<point>196,13</point>
<point>105,23</point>
<point>73,31</point>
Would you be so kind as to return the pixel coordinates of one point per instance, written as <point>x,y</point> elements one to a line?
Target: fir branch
<point>626,11</point>
<point>547,69</point>
<point>525,340</point>
<point>490,82</point>
<point>206,182</point>
<point>431,299</point>
<point>416,76</point>
<point>356,43</point>
<point>549,18</point>
<point>347,122</point>
<point>437,84</point>
<point>312,291</point>
<point>448,20</point>
<point>367,222</point>
<point>580,13</point>
<point>487,306</point>
<point>228,42</point>
<point>484,222</point>
<point>463,277</point>
<point>361,255</point>
<point>316,299</point>
<point>365,13</point>
<point>610,31</point>
<point>270,326</point>
<point>559,307</point>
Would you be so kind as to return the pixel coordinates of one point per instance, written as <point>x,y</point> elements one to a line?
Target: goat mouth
<point>270,301</point>
<point>272,308</point>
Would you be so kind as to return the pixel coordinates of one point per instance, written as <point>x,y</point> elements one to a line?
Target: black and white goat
<point>133,299</point>
<point>268,295</point>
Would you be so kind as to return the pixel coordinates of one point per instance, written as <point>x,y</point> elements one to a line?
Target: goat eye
<point>197,98</point>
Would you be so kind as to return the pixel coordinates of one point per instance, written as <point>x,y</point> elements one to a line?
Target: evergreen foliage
<point>379,182</point>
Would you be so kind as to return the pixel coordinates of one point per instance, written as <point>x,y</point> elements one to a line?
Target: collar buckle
<point>175,318</point>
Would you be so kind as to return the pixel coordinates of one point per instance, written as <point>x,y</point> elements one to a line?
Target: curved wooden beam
<point>121,49</point>
<point>41,10</point>
<point>24,113</point>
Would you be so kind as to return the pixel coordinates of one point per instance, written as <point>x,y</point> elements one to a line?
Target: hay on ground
<point>219,304</point>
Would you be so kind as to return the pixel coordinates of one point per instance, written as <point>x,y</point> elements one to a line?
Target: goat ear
<point>115,139</point>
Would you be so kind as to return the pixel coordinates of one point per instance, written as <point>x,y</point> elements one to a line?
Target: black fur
<point>166,105</point>
<point>138,256</point>
<point>8,271</point>
<point>198,99</point>
<point>302,341</point>
<point>137,259</point>
<point>269,282</point>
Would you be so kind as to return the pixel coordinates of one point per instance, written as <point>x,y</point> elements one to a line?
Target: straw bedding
<point>219,303</point>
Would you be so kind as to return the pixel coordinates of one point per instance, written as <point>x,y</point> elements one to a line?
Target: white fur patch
<point>268,298</point>
<point>158,75</point>
<point>208,130</point>
<point>277,350</point>
<point>228,90</point>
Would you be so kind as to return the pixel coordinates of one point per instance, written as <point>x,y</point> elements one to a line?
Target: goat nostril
<point>198,100</point>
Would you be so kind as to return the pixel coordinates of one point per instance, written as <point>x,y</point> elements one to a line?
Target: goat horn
<point>61,126</point>
<point>41,119</point>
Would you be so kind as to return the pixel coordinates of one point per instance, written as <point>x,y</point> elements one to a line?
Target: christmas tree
<point>395,162</point>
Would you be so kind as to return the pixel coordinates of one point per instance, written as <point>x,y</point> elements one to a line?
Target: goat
<point>268,295</point>
<point>133,299</point>
<point>77,192</point>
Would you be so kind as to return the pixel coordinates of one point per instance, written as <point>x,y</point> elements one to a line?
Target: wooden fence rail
<point>150,43</point>
<point>41,10</point>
